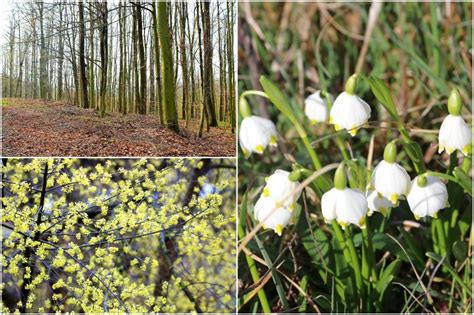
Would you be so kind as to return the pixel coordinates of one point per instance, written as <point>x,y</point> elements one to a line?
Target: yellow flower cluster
<point>118,235</point>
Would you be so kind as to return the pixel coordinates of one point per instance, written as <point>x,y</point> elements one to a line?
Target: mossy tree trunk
<point>167,73</point>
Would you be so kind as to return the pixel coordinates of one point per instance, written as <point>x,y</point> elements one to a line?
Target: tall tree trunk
<point>82,61</point>
<point>141,51</point>
<point>184,62</point>
<point>61,53</point>
<point>12,58</point>
<point>168,90</point>
<point>43,74</point>
<point>208,82</point>
<point>221,65</point>
<point>92,18</point>
<point>121,99</point>
<point>230,61</point>
<point>191,69</point>
<point>157,64</point>
<point>103,56</point>
<point>136,75</point>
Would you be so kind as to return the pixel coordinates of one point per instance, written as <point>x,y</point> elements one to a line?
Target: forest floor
<point>48,128</point>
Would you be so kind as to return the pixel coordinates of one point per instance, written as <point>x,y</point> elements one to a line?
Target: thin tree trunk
<point>184,63</point>
<point>61,54</point>
<point>82,61</point>
<point>207,42</point>
<point>103,56</point>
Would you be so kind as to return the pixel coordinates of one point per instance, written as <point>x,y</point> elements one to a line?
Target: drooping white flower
<point>277,201</point>
<point>349,112</point>
<point>454,134</point>
<point>280,186</point>
<point>390,180</point>
<point>427,196</point>
<point>271,215</point>
<point>256,133</point>
<point>346,206</point>
<point>377,203</point>
<point>316,107</point>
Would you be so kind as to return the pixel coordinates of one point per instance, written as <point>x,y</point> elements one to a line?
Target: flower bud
<point>340,179</point>
<point>351,84</point>
<point>390,152</point>
<point>454,103</point>
<point>244,108</point>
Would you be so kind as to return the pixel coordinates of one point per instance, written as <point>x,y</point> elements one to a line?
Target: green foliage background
<point>420,51</point>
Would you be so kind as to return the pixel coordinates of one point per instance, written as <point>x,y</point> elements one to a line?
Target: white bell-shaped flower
<point>345,205</point>
<point>427,196</point>
<point>256,133</point>
<point>272,215</point>
<point>279,195</point>
<point>377,203</point>
<point>349,112</point>
<point>316,107</point>
<point>280,186</point>
<point>454,134</point>
<point>390,180</point>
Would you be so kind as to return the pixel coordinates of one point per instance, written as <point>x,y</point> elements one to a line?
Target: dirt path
<point>46,128</point>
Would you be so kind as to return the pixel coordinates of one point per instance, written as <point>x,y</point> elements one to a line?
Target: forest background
<point>174,61</point>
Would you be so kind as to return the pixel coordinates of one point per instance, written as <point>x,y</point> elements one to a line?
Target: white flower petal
<point>391,180</point>
<point>427,200</point>
<point>351,207</point>
<point>279,186</point>
<point>316,107</point>
<point>378,203</point>
<point>348,206</point>
<point>256,133</point>
<point>349,112</point>
<point>273,217</point>
<point>328,205</point>
<point>454,134</point>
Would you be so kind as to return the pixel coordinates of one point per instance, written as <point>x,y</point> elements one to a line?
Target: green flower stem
<point>370,257</point>
<point>255,276</point>
<point>348,248</point>
<point>347,254</point>
<point>441,236</point>
<point>355,262</point>
<point>340,144</point>
<point>368,272</point>
<point>254,92</point>
<point>466,163</point>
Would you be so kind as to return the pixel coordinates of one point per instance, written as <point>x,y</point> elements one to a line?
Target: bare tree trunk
<point>43,74</point>
<point>184,62</point>
<point>208,82</point>
<point>82,61</point>
<point>141,97</point>
<point>92,18</point>
<point>103,55</point>
<point>61,54</point>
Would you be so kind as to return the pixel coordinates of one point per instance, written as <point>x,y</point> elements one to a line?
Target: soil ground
<point>47,128</point>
